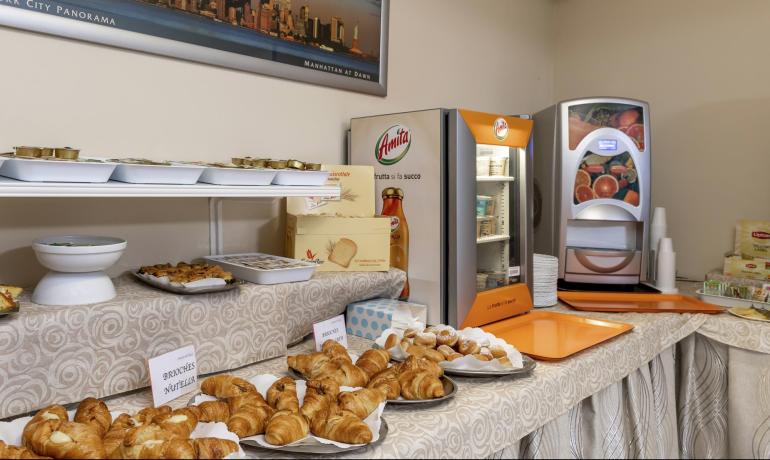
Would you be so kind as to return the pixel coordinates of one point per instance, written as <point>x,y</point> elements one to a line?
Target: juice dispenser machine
<point>592,189</point>
<point>462,181</point>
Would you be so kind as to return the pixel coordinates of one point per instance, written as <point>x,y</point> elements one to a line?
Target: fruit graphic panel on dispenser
<point>586,118</point>
<point>612,177</point>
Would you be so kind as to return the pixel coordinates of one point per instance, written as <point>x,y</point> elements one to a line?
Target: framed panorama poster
<point>337,43</point>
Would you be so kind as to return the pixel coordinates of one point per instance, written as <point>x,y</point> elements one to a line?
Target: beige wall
<point>703,66</point>
<point>491,55</point>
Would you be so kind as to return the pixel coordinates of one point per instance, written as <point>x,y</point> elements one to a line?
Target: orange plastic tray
<point>626,302</point>
<point>553,336</point>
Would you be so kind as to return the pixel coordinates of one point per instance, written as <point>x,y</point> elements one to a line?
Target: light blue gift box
<point>369,318</point>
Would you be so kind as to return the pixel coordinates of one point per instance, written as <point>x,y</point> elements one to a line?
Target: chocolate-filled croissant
<point>226,386</point>
<point>373,361</point>
<point>286,427</point>
<point>93,412</point>
<point>362,402</point>
<point>318,396</point>
<point>282,395</point>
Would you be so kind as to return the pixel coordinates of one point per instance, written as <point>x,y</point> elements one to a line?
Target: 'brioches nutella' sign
<point>173,374</point>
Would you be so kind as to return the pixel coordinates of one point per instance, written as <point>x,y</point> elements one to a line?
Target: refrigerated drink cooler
<point>592,189</point>
<point>463,179</point>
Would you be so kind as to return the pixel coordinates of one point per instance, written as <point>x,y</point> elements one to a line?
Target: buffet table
<point>63,354</point>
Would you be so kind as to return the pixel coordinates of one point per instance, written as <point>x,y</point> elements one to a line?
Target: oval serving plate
<point>187,291</point>
<point>321,449</point>
<point>450,389</point>
<point>739,312</point>
<point>529,365</point>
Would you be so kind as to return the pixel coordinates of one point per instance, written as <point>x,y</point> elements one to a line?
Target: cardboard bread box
<point>356,194</point>
<point>340,244</point>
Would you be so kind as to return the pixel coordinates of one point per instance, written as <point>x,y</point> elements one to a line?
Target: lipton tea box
<point>758,269</point>
<point>340,244</point>
<point>356,194</point>
<point>752,238</point>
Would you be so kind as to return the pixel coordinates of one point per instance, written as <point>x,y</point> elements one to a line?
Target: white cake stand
<point>77,265</point>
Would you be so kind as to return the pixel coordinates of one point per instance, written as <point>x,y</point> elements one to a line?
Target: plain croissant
<point>246,399</point>
<point>373,361</point>
<point>312,365</point>
<point>362,402</point>
<point>335,350</point>
<point>282,395</point>
<point>349,374</point>
<point>420,384</point>
<point>420,364</point>
<point>213,447</point>
<point>387,381</point>
<point>250,420</point>
<point>285,428</point>
<point>341,426</point>
<point>212,411</point>
<point>93,412</point>
<point>226,386</point>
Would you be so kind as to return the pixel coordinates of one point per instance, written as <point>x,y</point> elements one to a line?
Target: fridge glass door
<point>497,263</point>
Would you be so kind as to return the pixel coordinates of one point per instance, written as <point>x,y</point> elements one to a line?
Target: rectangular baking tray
<point>626,302</point>
<point>36,170</point>
<point>175,174</point>
<point>237,176</point>
<point>551,336</point>
<point>296,177</point>
<point>236,264</point>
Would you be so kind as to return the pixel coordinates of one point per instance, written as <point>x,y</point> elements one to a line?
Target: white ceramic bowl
<point>84,253</point>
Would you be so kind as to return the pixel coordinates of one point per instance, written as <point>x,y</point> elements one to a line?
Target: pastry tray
<point>625,302</point>
<point>172,174</point>
<point>40,170</point>
<point>156,283</point>
<point>323,449</point>
<point>237,176</point>
<point>264,268</point>
<point>551,336</point>
<point>529,365</point>
<point>297,177</point>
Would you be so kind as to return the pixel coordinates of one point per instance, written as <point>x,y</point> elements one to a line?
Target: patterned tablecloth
<point>491,415</point>
<point>63,354</point>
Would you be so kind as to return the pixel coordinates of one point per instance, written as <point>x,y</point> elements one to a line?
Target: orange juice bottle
<point>392,205</point>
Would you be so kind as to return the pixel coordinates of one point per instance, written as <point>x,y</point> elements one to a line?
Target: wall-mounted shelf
<point>11,188</point>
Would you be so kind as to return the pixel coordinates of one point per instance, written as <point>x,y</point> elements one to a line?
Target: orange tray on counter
<point>550,336</point>
<point>626,302</point>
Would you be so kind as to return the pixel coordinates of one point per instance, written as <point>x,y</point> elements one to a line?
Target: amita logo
<point>501,128</point>
<point>393,144</point>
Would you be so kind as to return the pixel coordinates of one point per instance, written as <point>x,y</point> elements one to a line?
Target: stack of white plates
<point>546,273</point>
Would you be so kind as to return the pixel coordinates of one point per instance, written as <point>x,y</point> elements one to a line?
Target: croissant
<point>312,365</point>
<point>335,349</point>
<point>39,429</point>
<point>145,416</point>
<point>93,412</point>
<point>418,384</point>
<point>387,381</point>
<point>341,426</point>
<point>282,395</point>
<point>246,399</point>
<point>250,420</point>
<point>71,440</point>
<point>350,375</point>
<point>213,447</point>
<point>213,411</point>
<point>362,402</point>
<point>180,422</point>
<point>373,361</point>
<point>117,432</point>
<point>415,363</point>
<point>13,452</point>
<point>138,438</point>
<point>285,428</point>
<point>226,386</point>
<point>318,396</point>
<point>172,449</point>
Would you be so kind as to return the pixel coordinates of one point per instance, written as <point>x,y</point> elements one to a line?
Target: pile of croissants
<point>415,379</point>
<point>160,433</point>
<point>438,344</point>
<point>326,411</point>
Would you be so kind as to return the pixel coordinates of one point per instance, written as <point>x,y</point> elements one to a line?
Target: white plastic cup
<point>665,245</point>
